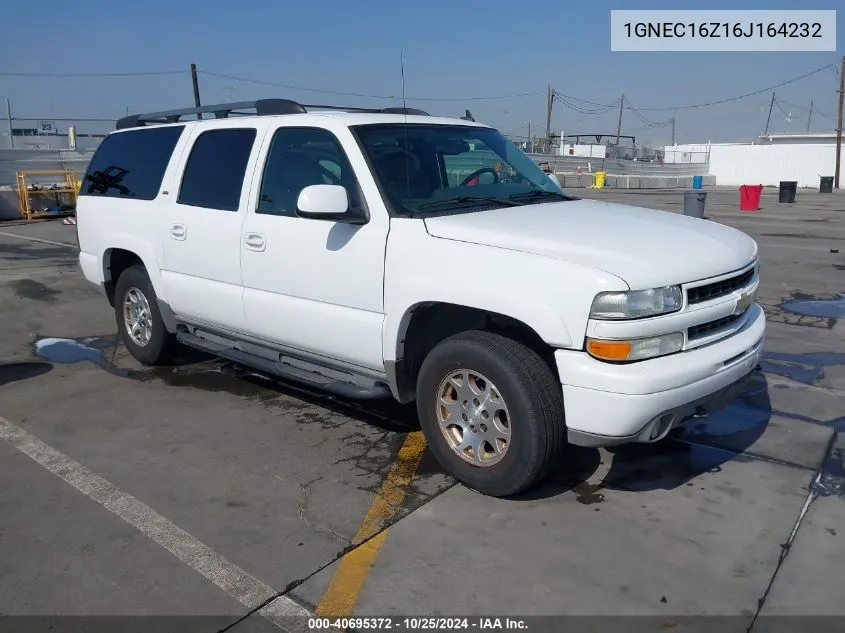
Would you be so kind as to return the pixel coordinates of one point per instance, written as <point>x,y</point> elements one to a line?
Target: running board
<point>341,383</point>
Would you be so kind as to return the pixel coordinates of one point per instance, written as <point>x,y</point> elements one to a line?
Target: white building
<point>583,150</point>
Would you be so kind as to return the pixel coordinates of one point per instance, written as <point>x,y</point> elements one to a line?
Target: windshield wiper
<point>542,193</point>
<point>465,199</point>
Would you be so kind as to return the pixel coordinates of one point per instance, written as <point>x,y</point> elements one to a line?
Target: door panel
<point>201,235</point>
<point>313,285</point>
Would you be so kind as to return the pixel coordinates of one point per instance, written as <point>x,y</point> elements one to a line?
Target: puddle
<point>806,368</point>
<point>67,351</point>
<point>824,308</point>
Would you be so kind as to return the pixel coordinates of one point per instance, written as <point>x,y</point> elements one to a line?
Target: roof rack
<point>261,107</point>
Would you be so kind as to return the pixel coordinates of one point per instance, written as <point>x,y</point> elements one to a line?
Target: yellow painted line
<point>349,578</point>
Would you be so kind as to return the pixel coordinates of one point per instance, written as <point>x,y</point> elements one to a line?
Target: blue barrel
<point>696,182</point>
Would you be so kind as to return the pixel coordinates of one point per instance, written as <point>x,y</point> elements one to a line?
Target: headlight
<point>636,349</point>
<point>635,304</point>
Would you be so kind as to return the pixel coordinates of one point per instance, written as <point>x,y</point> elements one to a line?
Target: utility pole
<point>769,118</point>
<point>196,86</point>
<point>619,124</point>
<point>530,145</point>
<point>673,131</point>
<point>810,117</point>
<point>549,101</point>
<point>839,123</point>
<point>9,117</point>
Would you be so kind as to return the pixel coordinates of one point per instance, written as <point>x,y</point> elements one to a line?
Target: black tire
<point>162,345</point>
<point>534,399</point>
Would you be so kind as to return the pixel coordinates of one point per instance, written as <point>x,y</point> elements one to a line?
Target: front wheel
<point>491,411</point>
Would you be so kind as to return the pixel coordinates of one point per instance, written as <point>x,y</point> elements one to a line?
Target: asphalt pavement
<point>203,489</point>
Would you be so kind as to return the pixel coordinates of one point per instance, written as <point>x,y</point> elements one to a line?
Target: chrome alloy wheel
<point>137,317</point>
<point>473,417</point>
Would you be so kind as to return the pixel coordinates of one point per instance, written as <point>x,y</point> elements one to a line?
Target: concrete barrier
<point>9,206</point>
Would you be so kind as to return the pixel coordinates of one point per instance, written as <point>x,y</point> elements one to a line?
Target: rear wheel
<point>139,320</point>
<point>492,412</point>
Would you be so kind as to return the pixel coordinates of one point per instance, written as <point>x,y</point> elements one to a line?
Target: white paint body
<point>344,292</point>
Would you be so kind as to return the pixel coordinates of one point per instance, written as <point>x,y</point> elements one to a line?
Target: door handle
<point>178,231</point>
<point>255,242</point>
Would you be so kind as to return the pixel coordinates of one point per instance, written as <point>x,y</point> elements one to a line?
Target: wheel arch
<point>424,324</point>
<point>120,256</point>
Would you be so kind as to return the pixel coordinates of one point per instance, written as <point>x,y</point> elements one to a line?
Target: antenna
<point>405,127</point>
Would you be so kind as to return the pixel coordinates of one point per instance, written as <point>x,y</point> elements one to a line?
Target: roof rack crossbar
<point>261,107</point>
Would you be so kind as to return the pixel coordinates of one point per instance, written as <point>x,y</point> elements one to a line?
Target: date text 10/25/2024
<point>417,624</point>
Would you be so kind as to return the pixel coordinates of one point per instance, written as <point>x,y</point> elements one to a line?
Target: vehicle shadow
<point>216,374</point>
<point>13,372</point>
<point>697,448</point>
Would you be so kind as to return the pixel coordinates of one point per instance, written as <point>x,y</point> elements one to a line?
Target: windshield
<point>429,168</point>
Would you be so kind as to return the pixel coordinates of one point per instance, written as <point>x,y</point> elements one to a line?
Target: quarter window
<point>131,164</point>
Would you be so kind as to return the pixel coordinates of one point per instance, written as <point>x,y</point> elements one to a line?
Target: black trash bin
<point>787,191</point>
<point>826,184</point>
<point>694,203</point>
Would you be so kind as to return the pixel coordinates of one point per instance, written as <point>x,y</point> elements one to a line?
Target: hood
<point>644,247</point>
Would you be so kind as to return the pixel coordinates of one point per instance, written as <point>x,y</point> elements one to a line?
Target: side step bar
<point>344,384</point>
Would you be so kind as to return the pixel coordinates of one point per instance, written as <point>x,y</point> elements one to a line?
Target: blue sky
<point>452,49</point>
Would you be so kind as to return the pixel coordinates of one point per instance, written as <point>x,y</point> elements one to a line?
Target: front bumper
<point>610,404</point>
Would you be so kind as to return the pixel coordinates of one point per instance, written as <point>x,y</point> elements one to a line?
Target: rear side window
<point>131,164</point>
<point>214,173</point>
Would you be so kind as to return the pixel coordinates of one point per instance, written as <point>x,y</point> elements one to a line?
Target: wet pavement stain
<point>664,465</point>
<point>199,371</point>
<point>826,308</point>
<point>588,494</point>
<point>831,481</point>
<point>33,290</point>
<point>807,368</point>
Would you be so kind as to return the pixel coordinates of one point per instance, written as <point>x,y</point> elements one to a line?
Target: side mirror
<point>326,202</point>
<point>556,180</point>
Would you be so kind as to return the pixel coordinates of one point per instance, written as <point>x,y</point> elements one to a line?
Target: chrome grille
<point>697,331</point>
<point>704,293</point>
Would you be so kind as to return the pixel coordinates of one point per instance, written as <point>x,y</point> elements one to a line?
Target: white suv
<point>379,253</point>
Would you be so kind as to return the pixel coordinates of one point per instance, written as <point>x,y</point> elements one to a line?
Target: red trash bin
<point>749,197</point>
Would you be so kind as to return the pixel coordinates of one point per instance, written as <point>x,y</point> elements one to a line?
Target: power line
<point>820,113</point>
<point>792,105</point>
<point>367,96</point>
<point>611,106</point>
<point>644,119</point>
<point>782,111</point>
<point>581,110</point>
<point>720,101</point>
<point>72,75</point>
<point>748,94</point>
